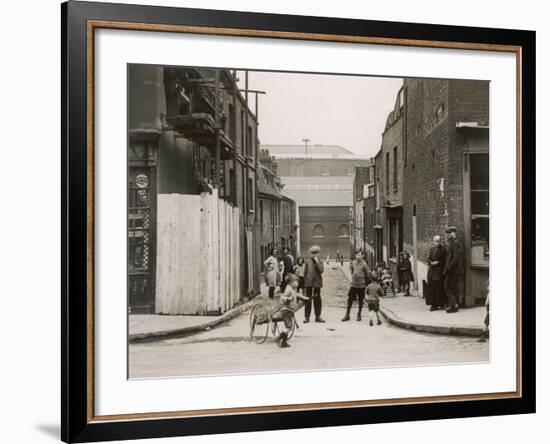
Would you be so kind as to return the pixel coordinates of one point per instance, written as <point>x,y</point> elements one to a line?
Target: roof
<point>317,183</point>
<point>325,198</point>
<point>263,185</point>
<point>313,152</point>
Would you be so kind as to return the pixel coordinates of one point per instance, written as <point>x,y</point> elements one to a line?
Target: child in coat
<point>290,304</point>
<point>374,292</point>
<point>387,280</point>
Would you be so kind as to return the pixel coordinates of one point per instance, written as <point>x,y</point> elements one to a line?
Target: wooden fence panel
<point>198,254</point>
<point>178,239</point>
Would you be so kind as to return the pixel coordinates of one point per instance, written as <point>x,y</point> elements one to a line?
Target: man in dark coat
<point>313,283</point>
<point>436,261</point>
<point>453,269</point>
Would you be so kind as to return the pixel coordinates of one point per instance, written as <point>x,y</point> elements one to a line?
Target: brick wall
<point>433,156</point>
<point>392,150</point>
<point>331,219</point>
<point>425,172</point>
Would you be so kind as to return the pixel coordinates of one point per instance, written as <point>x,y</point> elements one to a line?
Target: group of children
<point>370,285</point>
<point>404,275</point>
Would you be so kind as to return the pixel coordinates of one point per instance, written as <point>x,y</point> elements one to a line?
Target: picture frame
<point>80,20</point>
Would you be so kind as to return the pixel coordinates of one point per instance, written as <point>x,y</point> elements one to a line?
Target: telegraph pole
<point>306,141</point>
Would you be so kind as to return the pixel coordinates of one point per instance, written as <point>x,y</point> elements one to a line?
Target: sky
<point>349,111</point>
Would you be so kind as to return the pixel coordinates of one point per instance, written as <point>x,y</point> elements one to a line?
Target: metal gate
<point>142,204</point>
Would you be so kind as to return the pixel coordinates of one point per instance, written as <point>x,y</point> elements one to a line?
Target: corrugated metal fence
<point>198,260</point>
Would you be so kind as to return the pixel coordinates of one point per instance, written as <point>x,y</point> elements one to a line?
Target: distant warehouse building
<point>320,179</point>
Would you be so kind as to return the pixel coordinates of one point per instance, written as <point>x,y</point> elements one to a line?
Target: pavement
<point>143,328</point>
<point>411,312</point>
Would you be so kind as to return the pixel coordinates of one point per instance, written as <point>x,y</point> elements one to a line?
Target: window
<point>231,185</point>
<point>387,172</point>
<point>350,171</point>
<point>395,237</point>
<point>370,190</point>
<point>395,183</point>
<point>299,169</point>
<point>243,132</point>
<point>250,195</point>
<point>261,214</point>
<point>343,231</point>
<point>479,206</point>
<point>377,193</point>
<point>325,171</point>
<point>318,231</point>
<point>249,149</point>
<point>231,124</point>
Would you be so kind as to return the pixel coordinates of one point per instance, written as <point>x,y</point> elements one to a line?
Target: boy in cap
<point>313,280</point>
<point>289,299</point>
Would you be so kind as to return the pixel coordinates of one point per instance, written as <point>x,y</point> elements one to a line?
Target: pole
<point>234,140</point>
<point>246,148</point>
<point>306,140</point>
<point>217,119</point>
<point>256,160</point>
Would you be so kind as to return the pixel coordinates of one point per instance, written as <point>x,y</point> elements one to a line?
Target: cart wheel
<point>277,331</point>
<point>293,329</point>
<point>259,323</point>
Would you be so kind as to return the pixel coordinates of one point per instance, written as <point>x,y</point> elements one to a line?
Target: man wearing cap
<point>453,269</point>
<point>313,283</point>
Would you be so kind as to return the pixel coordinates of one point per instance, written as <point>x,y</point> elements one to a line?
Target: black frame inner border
<point>74,425</point>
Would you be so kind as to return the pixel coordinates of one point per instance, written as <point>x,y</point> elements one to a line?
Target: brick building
<point>276,212</point>
<point>193,171</point>
<point>320,179</point>
<point>390,186</point>
<point>364,214</point>
<point>432,171</point>
<point>446,174</point>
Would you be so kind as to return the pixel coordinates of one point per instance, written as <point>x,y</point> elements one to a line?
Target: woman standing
<point>436,293</point>
<point>400,283</point>
<point>272,272</point>
<point>405,273</point>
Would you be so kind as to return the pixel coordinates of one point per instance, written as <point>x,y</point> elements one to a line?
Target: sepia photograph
<point>295,221</point>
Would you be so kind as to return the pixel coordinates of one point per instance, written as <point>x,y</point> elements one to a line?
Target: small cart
<point>264,315</point>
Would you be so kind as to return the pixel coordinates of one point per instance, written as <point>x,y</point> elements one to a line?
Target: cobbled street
<point>227,349</point>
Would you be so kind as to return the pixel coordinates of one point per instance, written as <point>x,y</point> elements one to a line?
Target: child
<point>380,266</point>
<point>360,277</point>
<point>289,301</point>
<point>300,271</point>
<point>387,280</point>
<point>405,273</point>
<point>271,274</point>
<point>374,292</point>
<point>485,335</point>
<point>280,274</point>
